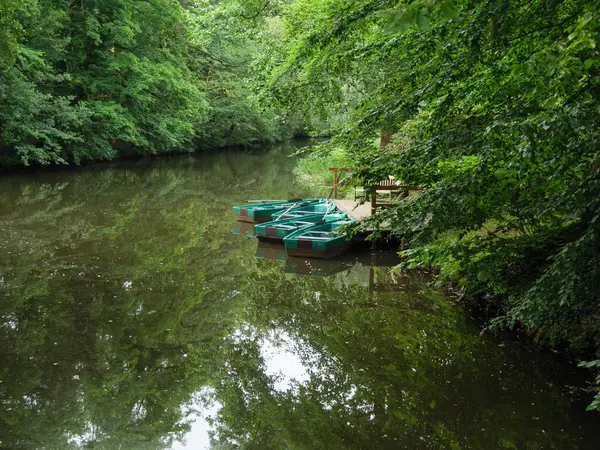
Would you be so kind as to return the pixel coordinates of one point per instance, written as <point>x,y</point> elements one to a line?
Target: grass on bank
<point>313,171</point>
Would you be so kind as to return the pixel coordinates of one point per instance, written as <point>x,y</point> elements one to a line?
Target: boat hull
<point>252,219</point>
<point>319,241</point>
<point>318,253</point>
<point>264,212</point>
<point>278,229</point>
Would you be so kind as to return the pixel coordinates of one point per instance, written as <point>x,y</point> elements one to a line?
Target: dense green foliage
<point>95,79</point>
<point>494,108</point>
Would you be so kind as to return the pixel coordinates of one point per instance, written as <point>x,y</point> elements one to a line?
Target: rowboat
<point>320,241</point>
<point>263,212</point>
<point>278,229</point>
<point>301,211</point>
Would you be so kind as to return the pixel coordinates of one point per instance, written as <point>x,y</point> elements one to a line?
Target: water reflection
<point>131,317</point>
<point>318,266</point>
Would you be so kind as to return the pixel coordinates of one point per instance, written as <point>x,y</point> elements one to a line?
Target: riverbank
<point>301,142</point>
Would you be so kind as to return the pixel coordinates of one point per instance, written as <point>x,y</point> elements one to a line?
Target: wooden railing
<point>388,184</point>
<point>336,178</point>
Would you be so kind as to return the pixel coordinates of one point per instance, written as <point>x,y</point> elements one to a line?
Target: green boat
<point>263,212</point>
<point>319,241</point>
<point>278,229</point>
<point>323,207</point>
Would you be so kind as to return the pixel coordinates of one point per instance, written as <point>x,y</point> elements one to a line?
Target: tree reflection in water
<point>128,308</point>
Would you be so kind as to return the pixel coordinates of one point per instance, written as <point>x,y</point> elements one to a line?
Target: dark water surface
<point>131,316</point>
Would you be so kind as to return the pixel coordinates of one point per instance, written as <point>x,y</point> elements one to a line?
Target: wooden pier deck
<point>361,210</point>
<point>353,209</point>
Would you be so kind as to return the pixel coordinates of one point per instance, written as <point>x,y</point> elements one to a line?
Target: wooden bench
<point>386,185</point>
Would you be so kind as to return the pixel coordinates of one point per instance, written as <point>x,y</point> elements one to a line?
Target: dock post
<point>373,199</point>
<point>335,183</point>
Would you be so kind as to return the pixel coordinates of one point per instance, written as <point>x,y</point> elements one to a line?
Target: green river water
<point>133,314</point>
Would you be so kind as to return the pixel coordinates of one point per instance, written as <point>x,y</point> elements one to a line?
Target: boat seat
<point>313,238</point>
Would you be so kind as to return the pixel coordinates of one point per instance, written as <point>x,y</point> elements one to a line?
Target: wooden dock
<point>357,210</point>
<point>353,209</point>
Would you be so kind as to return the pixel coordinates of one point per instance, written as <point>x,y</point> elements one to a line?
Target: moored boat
<point>278,229</point>
<point>263,212</point>
<point>299,211</point>
<point>320,241</point>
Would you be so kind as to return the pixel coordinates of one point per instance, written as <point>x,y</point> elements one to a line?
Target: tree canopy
<point>97,79</point>
<point>494,108</point>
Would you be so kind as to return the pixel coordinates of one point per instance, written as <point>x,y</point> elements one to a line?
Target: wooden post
<point>335,183</point>
<point>373,190</point>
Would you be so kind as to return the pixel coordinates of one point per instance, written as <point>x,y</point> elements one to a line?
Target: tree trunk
<point>386,137</point>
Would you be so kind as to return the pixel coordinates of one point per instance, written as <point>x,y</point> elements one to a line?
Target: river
<point>134,314</point>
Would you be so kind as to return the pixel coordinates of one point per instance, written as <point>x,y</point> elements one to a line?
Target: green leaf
<point>449,9</point>
<point>589,364</point>
<point>422,19</point>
